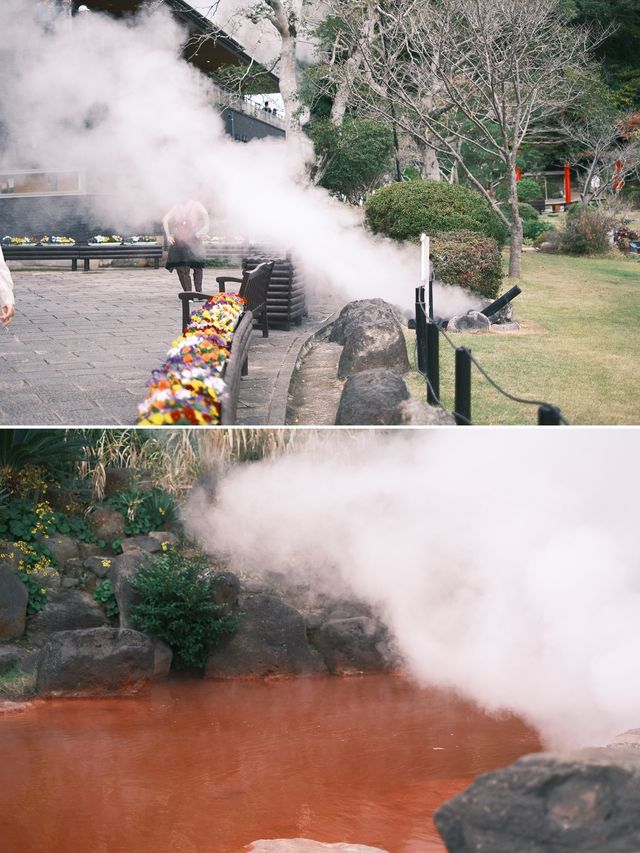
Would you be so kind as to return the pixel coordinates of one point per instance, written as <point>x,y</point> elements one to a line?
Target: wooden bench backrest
<point>255,285</point>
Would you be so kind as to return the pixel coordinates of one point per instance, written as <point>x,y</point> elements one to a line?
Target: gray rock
<point>356,644</point>
<point>587,801</point>
<point>95,661</point>
<point>226,589</point>
<point>164,537</point>
<point>70,583</point>
<point>141,543</point>
<point>362,312</point>
<point>30,661</point>
<point>74,568</point>
<point>162,658</point>
<point>469,323</point>
<point>13,604</point>
<point>62,548</point>
<point>118,480</point>
<point>504,315</point>
<point>414,412</point>
<point>9,657</point>
<point>370,398</point>
<point>87,549</point>
<point>65,610</point>
<point>270,640</point>
<point>98,566</point>
<point>505,327</point>
<point>122,569</point>
<point>107,524</point>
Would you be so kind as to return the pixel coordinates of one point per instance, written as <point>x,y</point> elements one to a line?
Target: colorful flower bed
<point>188,387</point>
<point>38,241</point>
<point>20,241</point>
<point>105,238</point>
<point>57,241</point>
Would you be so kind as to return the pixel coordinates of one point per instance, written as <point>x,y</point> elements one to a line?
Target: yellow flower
<point>165,546</point>
<point>106,564</point>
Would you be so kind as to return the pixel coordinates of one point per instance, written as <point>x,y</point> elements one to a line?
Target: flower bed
<point>20,241</point>
<point>100,239</point>
<point>38,241</point>
<point>187,389</point>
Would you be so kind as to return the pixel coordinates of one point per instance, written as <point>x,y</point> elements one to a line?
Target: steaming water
<point>208,767</point>
<point>504,562</point>
<point>114,98</point>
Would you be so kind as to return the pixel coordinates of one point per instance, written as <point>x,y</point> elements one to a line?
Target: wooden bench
<point>254,287</point>
<point>86,252</point>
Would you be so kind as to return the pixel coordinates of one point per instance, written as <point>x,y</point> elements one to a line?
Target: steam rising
<point>505,563</point>
<point>115,99</point>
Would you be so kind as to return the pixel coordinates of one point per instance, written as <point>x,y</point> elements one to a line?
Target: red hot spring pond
<point>208,767</point>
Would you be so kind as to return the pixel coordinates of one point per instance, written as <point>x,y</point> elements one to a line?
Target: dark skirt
<point>186,255</point>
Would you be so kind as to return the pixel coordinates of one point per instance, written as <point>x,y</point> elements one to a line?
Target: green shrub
<point>527,213</point>
<point>586,232</point>
<point>468,259</point>
<point>533,228</point>
<point>105,596</point>
<point>144,511</point>
<point>177,606</point>
<point>529,190</point>
<point>405,210</point>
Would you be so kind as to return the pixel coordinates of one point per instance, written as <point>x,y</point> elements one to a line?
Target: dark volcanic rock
<point>13,604</point>
<point>549,803</point>
<point>65,610</point>
<point>9,657</point>
<point>121,570</point>
<point>141,543</point>
<point>107,524</point>
<point>62,548</point>
<point>370,398</point>
<point>361,312</point>
<point>356,644</point>
<point>271,639</point>
<point>95,661</point>
<point>226,589</point>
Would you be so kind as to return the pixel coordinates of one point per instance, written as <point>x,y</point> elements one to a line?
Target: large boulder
<point>469,323</point>
<point>355,644</point>
<point>305,845</point>
<point>372,337</point>
<point>9,657</point>
<point>370,398</point>
<point>226,591</point>
<point>13,604</point>
<point>271,639</point>
<point>587,801</point>
<point>65,610</point>
<point>95,661</point>
<point>107,524</point>
<point>121,570</point>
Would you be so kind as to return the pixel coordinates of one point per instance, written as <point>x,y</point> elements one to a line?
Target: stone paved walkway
<point>83,345</point>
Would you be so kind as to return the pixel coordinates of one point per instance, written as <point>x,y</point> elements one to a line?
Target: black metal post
<point>503,300</point>
<point>462,411</point>
<point>433,364</point>
<point>548,415</point>
<point>421,330</point>
<point>430,296</point>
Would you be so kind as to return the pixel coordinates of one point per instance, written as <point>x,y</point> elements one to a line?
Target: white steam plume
<point>504,562</point>
<point>115,99</point>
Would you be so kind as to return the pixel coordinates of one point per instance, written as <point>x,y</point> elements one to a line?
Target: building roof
<point>215,50</point>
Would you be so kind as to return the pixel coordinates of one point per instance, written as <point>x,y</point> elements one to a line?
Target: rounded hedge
<point>469,260</point>
<point>405,210</point>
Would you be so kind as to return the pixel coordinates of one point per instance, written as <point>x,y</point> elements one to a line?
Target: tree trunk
<point>515,248</point>
<point>430,167</point>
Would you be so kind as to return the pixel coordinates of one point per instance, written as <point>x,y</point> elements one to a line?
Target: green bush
<point>144,511</point>
<point>529,189</point>
<point>586,232</point>
<point>527,213</point>
<point>105,596</point>
<point>177,606</point>
<point>405,210</point>
<point>533,228</point>
<point>468,259</point>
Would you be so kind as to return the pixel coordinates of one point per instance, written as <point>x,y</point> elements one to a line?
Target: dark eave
<point>208,47</point>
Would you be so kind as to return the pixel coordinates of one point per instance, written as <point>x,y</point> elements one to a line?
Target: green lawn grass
<point>579,347</point>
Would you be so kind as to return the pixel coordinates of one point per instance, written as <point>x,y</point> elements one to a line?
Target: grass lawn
<point>579,346</point>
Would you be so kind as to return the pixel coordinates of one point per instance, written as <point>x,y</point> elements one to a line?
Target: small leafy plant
<point>144,511</point>
<point>177,606</point>
<point>105,596</point>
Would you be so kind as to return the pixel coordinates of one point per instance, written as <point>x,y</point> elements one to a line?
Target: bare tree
<point>491,74</point>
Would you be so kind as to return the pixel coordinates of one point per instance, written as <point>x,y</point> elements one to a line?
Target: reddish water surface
<point>207,767</point>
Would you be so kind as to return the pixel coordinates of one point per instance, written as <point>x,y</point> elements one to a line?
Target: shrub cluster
<point>586,232</point>
<point>623,235</point>
<point>534,228</point>
<point>529,190</point>
<point>468,259</point>
<point>176,592</point>
<point>405,210</point>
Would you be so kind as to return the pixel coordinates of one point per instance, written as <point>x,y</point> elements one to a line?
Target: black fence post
<point>548,415</point>
<point>462,411</point>
<point>433,364</point>
<point>421,330</point>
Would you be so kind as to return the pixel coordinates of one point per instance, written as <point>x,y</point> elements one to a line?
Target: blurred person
<point>184,226</point>
<point>7,301</point>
